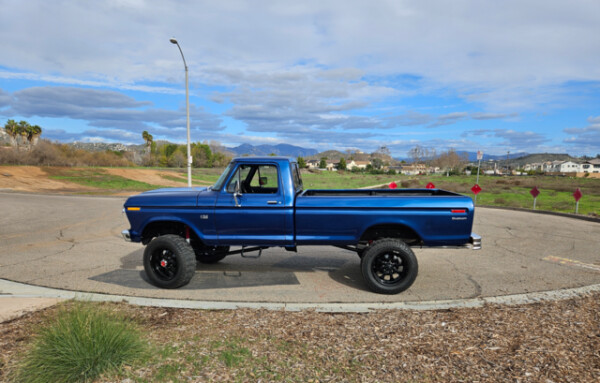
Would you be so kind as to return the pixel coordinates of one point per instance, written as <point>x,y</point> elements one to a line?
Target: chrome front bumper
<point>126,235</point>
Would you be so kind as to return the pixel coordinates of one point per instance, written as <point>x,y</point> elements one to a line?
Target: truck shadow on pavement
<point>235,271</point>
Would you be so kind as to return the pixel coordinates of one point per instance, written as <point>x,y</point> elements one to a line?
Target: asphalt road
<point>74,243</point>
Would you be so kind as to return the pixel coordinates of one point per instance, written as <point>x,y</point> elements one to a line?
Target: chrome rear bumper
<point>475,241</point>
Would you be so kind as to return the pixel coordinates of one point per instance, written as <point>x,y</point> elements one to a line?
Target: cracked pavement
<point>74,243</point>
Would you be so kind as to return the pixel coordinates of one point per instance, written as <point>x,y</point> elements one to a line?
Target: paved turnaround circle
<point>74,243</point>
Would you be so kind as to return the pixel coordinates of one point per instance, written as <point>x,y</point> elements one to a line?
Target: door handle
<point>272,202</point>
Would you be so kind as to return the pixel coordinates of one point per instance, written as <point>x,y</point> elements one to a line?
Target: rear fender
<point>398,230</point>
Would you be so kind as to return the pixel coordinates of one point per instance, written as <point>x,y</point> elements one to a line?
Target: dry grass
<point>550,342</point>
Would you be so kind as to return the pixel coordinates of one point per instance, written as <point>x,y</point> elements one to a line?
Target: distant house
<point>414,169</point>
<point>357,164</point>
<point>312,164</point>
<point>565,167</point>
<point>591,166</point>
<point>535,167</point>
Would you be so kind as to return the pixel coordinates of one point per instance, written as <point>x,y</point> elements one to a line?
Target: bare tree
<point>450,160</point>
<point>420,154</point>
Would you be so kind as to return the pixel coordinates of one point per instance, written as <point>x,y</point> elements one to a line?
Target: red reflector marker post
<point>577,195</point>
<point>476,189</point>
<point>534,192</point>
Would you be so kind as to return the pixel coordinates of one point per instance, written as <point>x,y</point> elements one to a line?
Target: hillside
<point>266,150</point>
<point>335,155</point>
<point>540,157</point>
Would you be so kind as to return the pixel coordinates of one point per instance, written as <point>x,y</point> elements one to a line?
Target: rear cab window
<point>296,177</point>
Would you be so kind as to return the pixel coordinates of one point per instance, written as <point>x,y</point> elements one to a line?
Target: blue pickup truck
<point>260,202</point>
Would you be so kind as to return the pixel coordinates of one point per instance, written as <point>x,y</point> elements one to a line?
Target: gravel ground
<point>546,342</point>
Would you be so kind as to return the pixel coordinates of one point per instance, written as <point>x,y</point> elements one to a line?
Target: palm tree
<point>33,133</point>
<point>23,130</point>
<point>148,138</point>
<point>12,129</point>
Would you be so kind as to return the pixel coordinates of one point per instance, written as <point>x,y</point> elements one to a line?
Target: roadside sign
<point>479,155</point>
<point>393,185</point>
<point>534,192</point>
<point>476,189</point>
<point>577,195</point>
<point>430,186</point>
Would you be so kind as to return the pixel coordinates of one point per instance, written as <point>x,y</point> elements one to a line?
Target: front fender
<point>140,224</point>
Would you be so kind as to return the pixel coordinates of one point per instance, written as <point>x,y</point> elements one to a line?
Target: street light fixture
<point>187,109</point>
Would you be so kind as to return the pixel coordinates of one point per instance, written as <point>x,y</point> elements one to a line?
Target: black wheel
<point>210,254</point>
<point>169,261</point>
<point>389,266</point>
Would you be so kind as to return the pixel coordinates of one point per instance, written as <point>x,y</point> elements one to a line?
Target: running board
<point>245,250</point>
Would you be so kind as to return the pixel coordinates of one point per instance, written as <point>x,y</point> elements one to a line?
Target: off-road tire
<point>169,261</point>
<point>389,266</point>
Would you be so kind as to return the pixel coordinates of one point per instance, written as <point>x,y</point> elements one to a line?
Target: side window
<point>296,176</point>
<point>265,180</point>
<point>240,175</point>
<point>257,179</point>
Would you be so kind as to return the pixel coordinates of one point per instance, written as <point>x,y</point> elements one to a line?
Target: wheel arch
<point>392,230</point>
<point>168,225</point>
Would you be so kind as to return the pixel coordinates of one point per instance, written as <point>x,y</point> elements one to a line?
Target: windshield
<point>219,184</point>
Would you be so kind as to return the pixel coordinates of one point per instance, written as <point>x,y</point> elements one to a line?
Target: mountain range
<point>266,150</point>
<point>287,150</point>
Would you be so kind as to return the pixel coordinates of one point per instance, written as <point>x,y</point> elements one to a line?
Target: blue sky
<point>496,76</point>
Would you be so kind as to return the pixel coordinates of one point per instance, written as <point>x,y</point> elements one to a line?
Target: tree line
<point>42,152</point>
<point>166,154</point>
<point>22,131</point>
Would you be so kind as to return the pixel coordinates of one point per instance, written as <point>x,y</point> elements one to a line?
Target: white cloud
<point>307,71</point>
<point>496,52</point>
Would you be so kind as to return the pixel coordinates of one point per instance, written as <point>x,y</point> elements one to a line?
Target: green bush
<point>83,342</point>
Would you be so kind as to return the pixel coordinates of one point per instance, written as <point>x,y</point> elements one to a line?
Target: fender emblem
<point>203,216</point>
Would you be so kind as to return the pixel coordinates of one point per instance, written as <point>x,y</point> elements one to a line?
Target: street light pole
<point>187,111</point>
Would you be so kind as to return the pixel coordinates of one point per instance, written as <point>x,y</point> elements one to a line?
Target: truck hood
<point>169,197</point>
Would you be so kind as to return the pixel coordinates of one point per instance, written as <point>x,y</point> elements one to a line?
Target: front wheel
<point>389,266</point>
<point>169,261</point>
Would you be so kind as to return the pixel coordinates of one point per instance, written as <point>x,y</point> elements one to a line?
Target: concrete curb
<point>13,290</point>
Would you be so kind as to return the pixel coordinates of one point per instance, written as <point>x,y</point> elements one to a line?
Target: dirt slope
<point>34,179</point>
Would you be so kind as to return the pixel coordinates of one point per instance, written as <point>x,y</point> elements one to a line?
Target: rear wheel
<point>389,266</point>
<point>169,261</point>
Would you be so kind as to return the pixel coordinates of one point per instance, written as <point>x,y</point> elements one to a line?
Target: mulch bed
<point>545,342</point>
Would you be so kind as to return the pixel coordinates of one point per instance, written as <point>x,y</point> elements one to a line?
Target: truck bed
<point>434,216</point>
<point>377,192</point>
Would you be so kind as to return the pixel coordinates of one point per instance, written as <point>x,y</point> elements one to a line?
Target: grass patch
<point>233,354</point>
<point>98,178</point>
<point>174,178</point>
<point>82,343</point>
<point>343,180</point>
